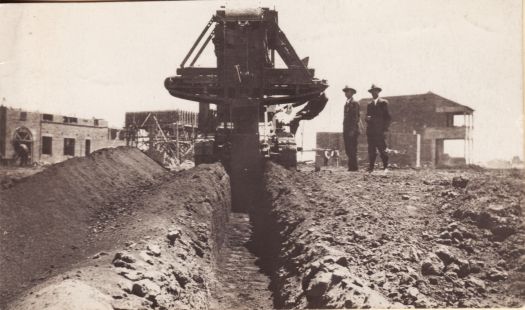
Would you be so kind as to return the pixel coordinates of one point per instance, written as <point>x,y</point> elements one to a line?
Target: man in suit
<point>351,127</point>
<point>378,120</point>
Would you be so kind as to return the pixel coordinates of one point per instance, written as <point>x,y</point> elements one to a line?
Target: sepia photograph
<point>261,154</point>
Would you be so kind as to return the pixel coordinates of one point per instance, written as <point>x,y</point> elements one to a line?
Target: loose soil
<point>53,218</point>
<point>241,282</point>
<point>10,175</point>
<point>115,202</point>
<point>409,238</point>
<point>117,231</point>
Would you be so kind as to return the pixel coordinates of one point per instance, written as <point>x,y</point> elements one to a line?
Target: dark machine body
<point>242,85</point>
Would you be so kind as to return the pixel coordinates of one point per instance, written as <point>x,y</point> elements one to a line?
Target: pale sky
<point>103,59</point>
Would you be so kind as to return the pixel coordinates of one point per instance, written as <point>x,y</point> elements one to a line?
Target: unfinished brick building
<point>422,126</point>
<point>51,138</point>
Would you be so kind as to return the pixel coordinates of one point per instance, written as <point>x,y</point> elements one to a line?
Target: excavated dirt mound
<point>9,176</point>
<point>162,257</point>
<point>48,220</point>
<point>406,239</point>
<point>154,248</point>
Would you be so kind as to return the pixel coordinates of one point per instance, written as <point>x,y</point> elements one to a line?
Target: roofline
<point>54,114</point>
<point>160,111</point>
<point>423,94</point>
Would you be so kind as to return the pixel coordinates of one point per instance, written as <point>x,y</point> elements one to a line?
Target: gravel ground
<point>429,238</point>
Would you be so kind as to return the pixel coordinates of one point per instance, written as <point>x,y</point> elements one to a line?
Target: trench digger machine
<point>248,92</point>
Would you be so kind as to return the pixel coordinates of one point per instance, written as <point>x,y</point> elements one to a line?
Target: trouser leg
<point>371,152</point>
<point>352,155</point>
<point>348,150</point>
<point>381,146</point>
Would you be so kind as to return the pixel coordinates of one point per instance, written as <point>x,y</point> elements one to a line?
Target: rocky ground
<point>117,231</point>
<point>409,238</point>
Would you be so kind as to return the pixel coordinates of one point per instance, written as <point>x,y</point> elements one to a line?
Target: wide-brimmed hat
<point>374,87</point>
<point>349,88</point>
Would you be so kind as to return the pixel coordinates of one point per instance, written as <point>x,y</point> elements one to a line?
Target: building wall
<point>410,113</point>
<point>404,148</point>
<point>426,114</point>
<point>14,122</point>
<point>58,132</point>
<point>58,128</point>
<point>403,145</point>
<point>417,112</point>
<point>330,140</point>
<point>427,151</point>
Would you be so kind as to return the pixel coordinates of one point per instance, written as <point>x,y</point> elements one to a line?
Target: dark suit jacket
<point>351,118</point>
<point>379,117</point>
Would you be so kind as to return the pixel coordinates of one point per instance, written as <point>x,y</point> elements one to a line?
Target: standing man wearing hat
<point>351,127</point>
<point>378,120</point>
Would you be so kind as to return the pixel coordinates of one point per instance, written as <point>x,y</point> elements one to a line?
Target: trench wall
<point>306,271</point>
<point>116,228</point>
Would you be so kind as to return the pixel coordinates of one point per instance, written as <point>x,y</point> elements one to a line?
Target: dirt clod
<point>153,250</point>
<point>450,247</point>
<point>459,182</point>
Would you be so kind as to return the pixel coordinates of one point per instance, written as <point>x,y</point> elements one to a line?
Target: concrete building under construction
<point>51,138</point>
<point>421,129</point>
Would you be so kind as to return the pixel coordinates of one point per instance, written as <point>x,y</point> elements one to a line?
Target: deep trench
<point>266,244</point>
<point>247,261</point>
<point>249,257</point>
